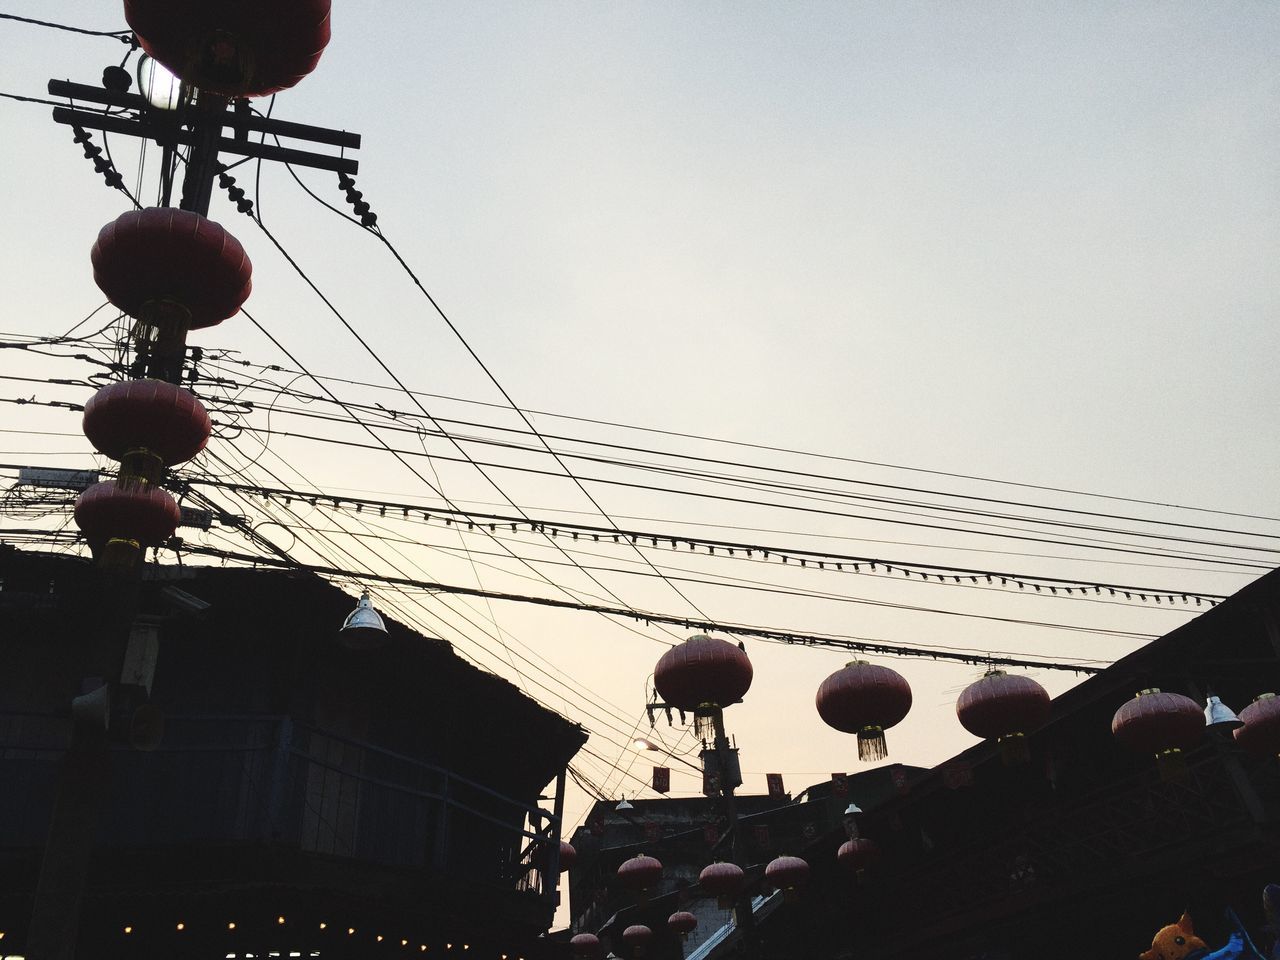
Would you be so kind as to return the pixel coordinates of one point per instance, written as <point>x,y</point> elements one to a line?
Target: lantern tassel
<point>704,722</point>
<point>1015,750</point>
<point>871,744</point>
<point>1172,765</point>
<point>119,555</point>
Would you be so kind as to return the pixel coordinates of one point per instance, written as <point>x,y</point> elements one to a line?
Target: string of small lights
<point>973,657</point>
<point>801,558</point>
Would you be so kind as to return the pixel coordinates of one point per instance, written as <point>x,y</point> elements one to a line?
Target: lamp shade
<point>363,629</point>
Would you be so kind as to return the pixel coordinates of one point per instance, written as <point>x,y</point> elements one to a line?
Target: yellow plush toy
<point>1174,942</point>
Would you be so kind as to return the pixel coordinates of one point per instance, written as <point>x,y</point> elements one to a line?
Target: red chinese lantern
<point>568,856</point>
<point>683,923</point>
<point>640,873</point>
<point>788,874</point>
<point>866,699</point>
<point>1164,724</point>
<point>172,269</point>
<point>1260,734</point>
<point>149,423</point>
<point>637,937</point>
<point>1003,707</point>
<point>119,522</point>
<point>724,881</point>
<point>858,854</point>
<point>238,48</point>
<point>586,946</point>
<point>703,671</point>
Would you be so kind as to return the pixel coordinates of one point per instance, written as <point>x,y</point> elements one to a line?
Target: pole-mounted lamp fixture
<point>1218,716</point>
<point>363,629</point>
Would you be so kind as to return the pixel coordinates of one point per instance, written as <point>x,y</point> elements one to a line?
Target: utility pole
<point>199,123</point>
<point>729,778</point>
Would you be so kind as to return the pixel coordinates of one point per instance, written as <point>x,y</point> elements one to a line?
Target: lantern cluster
<point>171,271</point>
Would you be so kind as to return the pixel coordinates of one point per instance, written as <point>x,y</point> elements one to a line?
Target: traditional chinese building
<point>1086,850</point>
<point>298,798</point>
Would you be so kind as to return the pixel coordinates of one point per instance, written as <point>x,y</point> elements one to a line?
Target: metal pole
<point>86,772</point>
<point>742,914</point>
<point>553,858</point>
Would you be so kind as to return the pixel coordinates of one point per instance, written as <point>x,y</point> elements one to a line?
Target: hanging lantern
<point>172,269</point>
<point>120,522</point>
<point>788,874</point>
<point>640,873</point>
<point>1003,707</point>
<point>1260,734</point>
<point>866,699</point>
<point>858,854</point>
<point>703,670</point>
<point>238,48</point>
<point>682,923</point>
<point>1164,724</point>
<point>586,946</point>
<point>146,425</point>
<point>637,937</point>
<point>724,881</point>
<point>568,856</point>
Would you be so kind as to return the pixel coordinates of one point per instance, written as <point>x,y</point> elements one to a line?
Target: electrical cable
<point>125,36</point>
<point>343,320</point>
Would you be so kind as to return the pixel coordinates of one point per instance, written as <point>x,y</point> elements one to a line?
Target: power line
<point>820,560</point>
<point>343,320</point>
<point>719,461</point>
<point>764,633</point>
<point>792,451</point>
<point>125,36</point>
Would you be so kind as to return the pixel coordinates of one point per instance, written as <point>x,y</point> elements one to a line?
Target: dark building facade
<point>687,834</point>
<point>303,800</point>
<point>1084,851</point>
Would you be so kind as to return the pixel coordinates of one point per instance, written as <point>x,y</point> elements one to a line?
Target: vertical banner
<point>661,779</point>
<point>840,784</point>
<point>775,785</point>
<point>899,778</point>
<point>653,832</point>
<point>711,833</point>
<point>762,834</point>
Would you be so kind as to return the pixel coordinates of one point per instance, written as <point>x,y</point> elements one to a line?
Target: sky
<point>1025,241</point>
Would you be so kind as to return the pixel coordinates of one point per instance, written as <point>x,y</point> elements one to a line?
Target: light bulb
<point>158,85</point>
